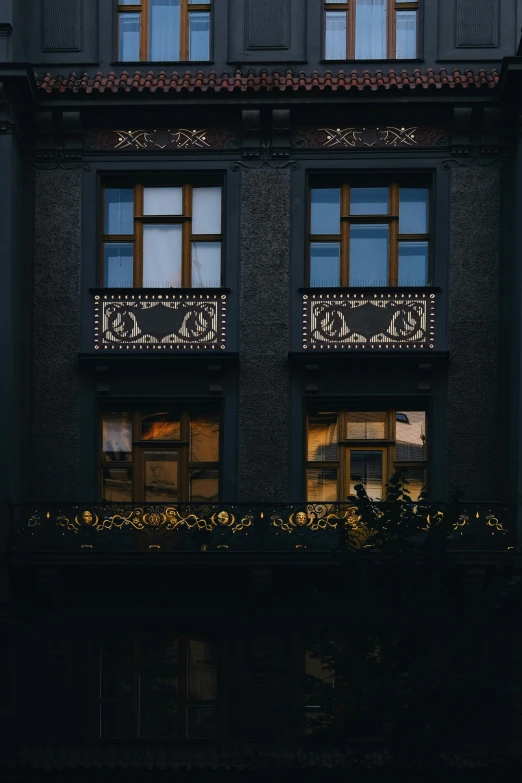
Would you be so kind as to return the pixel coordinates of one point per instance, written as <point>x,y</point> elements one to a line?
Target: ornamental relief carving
<point>358,136</point>
<point>162,139</point>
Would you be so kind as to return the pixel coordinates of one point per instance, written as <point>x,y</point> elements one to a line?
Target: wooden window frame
<point>143,9</point>
<point>391,25</point>
<point>386,444</point>
<point>139,445</point>
<point>141,220</point>
<point>391,220</point>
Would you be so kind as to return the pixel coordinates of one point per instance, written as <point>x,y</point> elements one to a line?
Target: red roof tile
<point>271,82</point>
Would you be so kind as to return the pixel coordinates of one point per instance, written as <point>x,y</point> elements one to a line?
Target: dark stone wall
<point>263,384</point>
<point>473,452</point>
<point>56,336</point>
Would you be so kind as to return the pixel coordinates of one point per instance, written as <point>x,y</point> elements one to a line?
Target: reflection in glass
<point>203,485</point>
<point>202,672</point>
<point>118,266</point>
<point>335,48</point>
<point>129,37</point>
<point>361,425</point>
<point>119,211</point>
<point>201,721</point>
<point>164,30</point>
<point>158,703</point>
<point>117,485</point>
<point>116,668</point>
<point>206,211</point>
<point>321,485</point>
<point>162,256</point>
<point>199,36</point>
<point>116,720</point>
<point>326,211</point>
<point>325,264</point>
<point>366,468</point>
<point>158,648</point>
<point>206,264</point>
<point>161,426</point>
<point>416,479</point>
<point>406,35</point>
<point>369,201</point>
<point>162,201</point>
<point>117,437</point>
<point>413,210</point>
<point>370,29</point>
<point>368,255</point>
<point>413,263</point>
<point>410,436</point>
<point>204,438</point>
<point>322,437</point>
<point>161,476</point>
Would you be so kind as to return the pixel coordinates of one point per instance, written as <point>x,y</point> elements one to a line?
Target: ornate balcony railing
<point>159,320</point>
<point>369,319</point>
<point>239,527</point>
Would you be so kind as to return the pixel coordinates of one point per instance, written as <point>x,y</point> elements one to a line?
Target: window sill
<point>368,289</point>
<point>162,291</point>
<point>159,63</point>
<point>388,61</point>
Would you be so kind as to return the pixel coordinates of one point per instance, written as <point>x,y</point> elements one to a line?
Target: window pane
<point>161,426</point>
<point>116,720</point>
<point>116,668</point>
<point>410,436</point>
<point>129,37</point>
<point>164,30</point>
<point>368,255</point>
<point>202,673</point>
<point>413,263</point>
<point>158,648</point>
<point>369,201</point>
<point>118,265</point>
<point>413,210</point>
<point>158,703</point>
<point>117,485</point>
<point>406,35</point>
<point>201,721</point>
<point>162,201</point>
<point>119,211</point>
<point>326,211</point>
<point>204,438</point>
<point>206,211</point>
<point>199,36</point>
<point>366,468</point>
<point>416,478</point>
<point>117,437</point>
<point>322,485</point>
<point>162,256</point>
<point>365,425</point>
<point>335,48</point>
<point>161,476</point>
<point>322,437</point>
<point>206,264</point>
<point>325,264</point>
<point>204,485</point>
<point>370,29</point>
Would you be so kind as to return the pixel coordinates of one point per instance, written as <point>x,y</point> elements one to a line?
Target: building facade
<point>252,250</point>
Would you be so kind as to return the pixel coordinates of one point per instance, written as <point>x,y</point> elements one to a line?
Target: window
<point>162,236</point>
<point>163,30</point>
<point>377,235</point>
<point>160,455</point>
<point>371,29</point>
<point>157,686</point>
<point>345,447</point>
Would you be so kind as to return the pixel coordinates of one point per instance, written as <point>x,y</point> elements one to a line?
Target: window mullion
<point>184,31</point>
<point>144,31</point>
<point>345,235</point>
<point>391,30</point>
<point>350,38</point>
<point>186,262</point>
<point>138,236</point>
<point>393,250</point>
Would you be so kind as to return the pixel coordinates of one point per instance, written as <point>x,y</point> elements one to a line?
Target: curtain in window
<point>164,29</point>
<point>370,29</point>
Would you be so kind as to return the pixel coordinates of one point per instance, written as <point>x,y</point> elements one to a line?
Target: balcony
<point>291,528</point>
<point>159,320</point>
<point>370,319</point>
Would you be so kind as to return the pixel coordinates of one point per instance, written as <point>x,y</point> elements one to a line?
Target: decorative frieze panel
<point>163,139</point>
<point>346,138</point>
<point>368,321</point>
<point>160,321</point>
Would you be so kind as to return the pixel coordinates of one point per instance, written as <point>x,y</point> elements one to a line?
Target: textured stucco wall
<point>473,387</point>
<point>263,387</point>
<point>56,335</point>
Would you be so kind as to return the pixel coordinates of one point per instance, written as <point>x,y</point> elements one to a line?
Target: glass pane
<point>204,438</point>
<point>117,485</point>
<point>410,436</point>
<point>321,485</point>
<point>206,211</point>
<point>118,265</point>
<point>335,48</point>
<point>164,30</point>
<point>117,437</point>
<point>116,720</point>
<point>206,264</point>
<point>199,36</point>
<point>158,704</point>
<point>406,35</point>
<point>201,721</point>
<point>325,264</point>
<point>161,476</point>
<point>119,211</point>
<point>365,425</point>
<point>129,37</point>
<point>416,478</point>
<point>369,201</point>
<point>370,29</point>
<point>326,211</point>
<point>413,263</point>
<point>161,426</point>
<point>322,437</point>
<point>368,255</point>
<point>158,649</point>
<point>413,210</point>
<point>116,680</point>
<point>204,485</point>
<point>162,256</point>
<point>162,201</point>
<point>202,684</point>
<point>366,468</point>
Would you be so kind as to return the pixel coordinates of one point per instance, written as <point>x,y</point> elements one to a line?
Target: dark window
<point>160,455</point>
<point>163,30</point>
<point>345,446</point>
<point>157,686</point>
<point>364,234</point>
<point>371,29</point>
<point>162,236</point>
